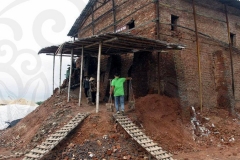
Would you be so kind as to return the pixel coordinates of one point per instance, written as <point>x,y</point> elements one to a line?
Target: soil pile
<point>210,134</point>
<point>160,116</point>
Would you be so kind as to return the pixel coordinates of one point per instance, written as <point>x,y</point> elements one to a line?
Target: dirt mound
<point>160,117</point>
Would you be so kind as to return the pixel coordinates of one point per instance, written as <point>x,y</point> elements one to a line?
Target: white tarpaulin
<point>9,113</point>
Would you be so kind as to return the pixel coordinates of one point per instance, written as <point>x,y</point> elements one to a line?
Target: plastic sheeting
<point>9,113</point>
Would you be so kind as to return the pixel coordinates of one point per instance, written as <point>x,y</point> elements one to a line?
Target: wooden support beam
<point>198,54</point>
<point>157,18</point>
<point>93,25</point>
<point>81,74</point>
<point>53,70</point>
<point>70,76</point>
<point>230,49</point>
<point>106,41</point>
<point>60,73</point>
<point>114,15</point>
<point>98,76</point>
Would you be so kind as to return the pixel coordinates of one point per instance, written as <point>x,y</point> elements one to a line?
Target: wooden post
<point>157,17</point>
<point>80,86</point>
<point>93,21</point>
<point>230,50</point>
<point>60,72</point>
<point>114,15</point>
<point>159,87</point>
<point>98,76</point>
<point>199,58</point>
<point>70,75</point>
<point>53,70</point>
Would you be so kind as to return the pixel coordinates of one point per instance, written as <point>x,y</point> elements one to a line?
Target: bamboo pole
<point>53,70</point>
<point>60,72</point>
<point>98,76</point>
<point>80,86</point>
<point>230,50</point>
<point>198,53</point>
<point>70,75</point>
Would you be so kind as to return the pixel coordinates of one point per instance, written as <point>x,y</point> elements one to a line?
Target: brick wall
<point>179,69</point>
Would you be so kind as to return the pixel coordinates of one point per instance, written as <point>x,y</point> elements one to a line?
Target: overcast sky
<point>26,26</point>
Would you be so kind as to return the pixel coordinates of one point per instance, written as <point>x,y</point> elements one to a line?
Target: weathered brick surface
<point>179,69</point>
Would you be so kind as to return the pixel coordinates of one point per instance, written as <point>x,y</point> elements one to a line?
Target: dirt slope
<point>215,137</point>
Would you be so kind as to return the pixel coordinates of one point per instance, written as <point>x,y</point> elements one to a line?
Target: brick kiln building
<point>205,73</point>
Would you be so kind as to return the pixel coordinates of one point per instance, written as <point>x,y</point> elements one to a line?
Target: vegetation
<point>40,102</point>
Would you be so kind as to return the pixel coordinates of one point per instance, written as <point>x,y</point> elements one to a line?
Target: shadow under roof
<point>112,43</point>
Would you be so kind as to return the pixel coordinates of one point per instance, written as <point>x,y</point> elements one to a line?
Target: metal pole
<point>98,76</point>
<point>60,73</point>
<point>53,70</point>
<point>199,58</point>
<point>70,75</point>
<point>80,87</point>
<point>230,50</point>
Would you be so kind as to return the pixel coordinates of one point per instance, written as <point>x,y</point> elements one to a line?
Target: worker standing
<point>86,86</point>
<point>93,89</point>
<point>117,87</point>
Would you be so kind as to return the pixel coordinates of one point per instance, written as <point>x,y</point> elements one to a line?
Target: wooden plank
<point>151,149</point>
<point>53,139</point>
<point>38,151</point>
<point>138,134</point>
<point>141,137</point>
<point>42,147</point>
<point>58,134</point>
<point>135,131</point>
<point>159,152</point>
<point>48,143</point>
<point>163,156</point>
<point>127,125</point>
<point>32,155</point>
<point>151,144</point>
<point>145,141</point>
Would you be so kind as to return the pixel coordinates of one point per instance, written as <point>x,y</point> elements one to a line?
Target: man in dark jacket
<point>86,85</point>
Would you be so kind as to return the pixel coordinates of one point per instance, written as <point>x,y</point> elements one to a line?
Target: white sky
<point>26,26</point>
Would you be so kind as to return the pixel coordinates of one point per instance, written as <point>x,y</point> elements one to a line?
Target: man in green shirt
<point>117,87</point>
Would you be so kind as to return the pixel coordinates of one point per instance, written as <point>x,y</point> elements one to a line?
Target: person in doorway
<point>93,89</point>
<point>86,86</point>
<point>117,88</point>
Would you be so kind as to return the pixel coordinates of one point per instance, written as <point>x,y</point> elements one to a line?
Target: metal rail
<point>136,133</point>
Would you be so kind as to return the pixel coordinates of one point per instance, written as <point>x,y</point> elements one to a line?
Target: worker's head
<point>116,75</point>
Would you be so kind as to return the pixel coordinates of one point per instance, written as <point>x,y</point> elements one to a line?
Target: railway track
<point>41,150</point>
<point>152,148</point>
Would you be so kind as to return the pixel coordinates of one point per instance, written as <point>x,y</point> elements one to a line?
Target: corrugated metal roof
<point>113,43</point>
